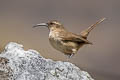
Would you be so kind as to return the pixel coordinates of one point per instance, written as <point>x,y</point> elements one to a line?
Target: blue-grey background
<point>101,60</point>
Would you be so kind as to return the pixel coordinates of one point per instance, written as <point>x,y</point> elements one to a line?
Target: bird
<point>64,41</point>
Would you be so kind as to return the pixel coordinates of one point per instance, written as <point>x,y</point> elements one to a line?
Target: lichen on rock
<point>18,64</point>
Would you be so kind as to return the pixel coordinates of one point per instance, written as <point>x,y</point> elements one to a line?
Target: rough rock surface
<point>18,64</point>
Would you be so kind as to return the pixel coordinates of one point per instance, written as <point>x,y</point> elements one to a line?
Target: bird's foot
<point>70,56</point>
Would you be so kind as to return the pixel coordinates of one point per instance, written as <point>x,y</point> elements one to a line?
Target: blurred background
<point>101,60</point>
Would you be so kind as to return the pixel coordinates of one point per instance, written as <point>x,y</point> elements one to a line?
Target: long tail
<point>86,32</point>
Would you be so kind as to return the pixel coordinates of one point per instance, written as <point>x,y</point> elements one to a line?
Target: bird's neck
<point>56,29</point>
<point>53,33</point>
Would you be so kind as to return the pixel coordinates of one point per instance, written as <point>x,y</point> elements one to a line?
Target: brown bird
<point>65,41</point>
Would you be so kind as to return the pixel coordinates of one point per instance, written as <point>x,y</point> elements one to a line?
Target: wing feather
<point>68,36</point>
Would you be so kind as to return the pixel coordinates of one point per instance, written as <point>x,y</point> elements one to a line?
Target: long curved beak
<point>41,24</point>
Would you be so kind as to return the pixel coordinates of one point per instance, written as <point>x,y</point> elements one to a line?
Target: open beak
<point>41,24</point>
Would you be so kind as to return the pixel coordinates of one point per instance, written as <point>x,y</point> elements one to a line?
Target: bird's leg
<point>69,56</point>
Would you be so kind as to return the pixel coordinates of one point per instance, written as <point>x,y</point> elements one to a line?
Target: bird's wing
<point>68,36</point>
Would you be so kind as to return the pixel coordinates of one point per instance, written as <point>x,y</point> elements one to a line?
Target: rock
<point>18,64</point>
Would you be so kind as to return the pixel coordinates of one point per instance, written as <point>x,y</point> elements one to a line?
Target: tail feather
<point>86,32</point>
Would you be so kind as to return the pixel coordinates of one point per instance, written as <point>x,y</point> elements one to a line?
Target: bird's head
<point>51,25</point>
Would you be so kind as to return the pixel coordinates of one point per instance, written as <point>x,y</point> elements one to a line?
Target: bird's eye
<point>51,23</point>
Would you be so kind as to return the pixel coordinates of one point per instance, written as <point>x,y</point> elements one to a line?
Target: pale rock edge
<point>18,64</point>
